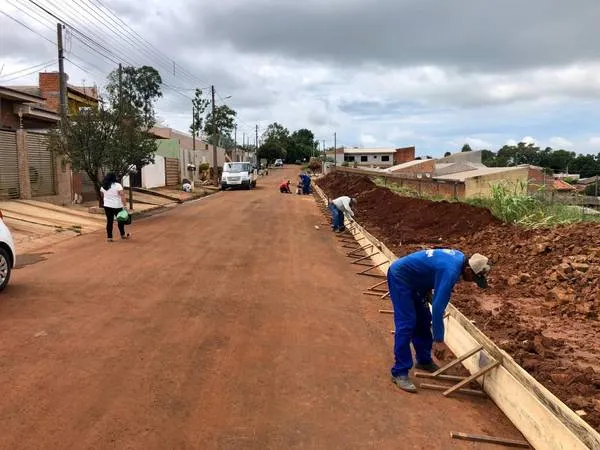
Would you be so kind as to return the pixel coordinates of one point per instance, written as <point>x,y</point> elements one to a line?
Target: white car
<point>238,174</point>
<point>7,254</point>
<point>279,163</point>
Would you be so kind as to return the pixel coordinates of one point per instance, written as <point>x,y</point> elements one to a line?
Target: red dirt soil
<point>225,323</point>
<point>544,298</point>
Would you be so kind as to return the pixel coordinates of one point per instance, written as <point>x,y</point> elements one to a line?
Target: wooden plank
<point>473,377</point>
<point>545,423</point>
<point>489,440</point>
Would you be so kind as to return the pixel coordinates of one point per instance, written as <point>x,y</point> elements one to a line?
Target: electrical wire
<point>26,26</point>
<point>37,66</point>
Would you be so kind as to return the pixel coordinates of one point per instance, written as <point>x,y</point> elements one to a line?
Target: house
<point>80,187</point>
<point>378,157</point>
<point>27,168</point>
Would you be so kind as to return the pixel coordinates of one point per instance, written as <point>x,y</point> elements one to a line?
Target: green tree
<point>301,145</point>
<point>199,105</point>
<point>447,154</point>
<point>271,150</point>
<point>466,148</point>
<point>139,90</point>
<point>115,136</point>
<point>85,140</point>
<point>223,122</point>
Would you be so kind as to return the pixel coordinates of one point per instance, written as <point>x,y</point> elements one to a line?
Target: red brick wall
<point>404,154</point>
<point>50,90</point>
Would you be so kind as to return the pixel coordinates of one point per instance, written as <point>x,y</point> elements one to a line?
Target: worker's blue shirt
<point>438,269</point>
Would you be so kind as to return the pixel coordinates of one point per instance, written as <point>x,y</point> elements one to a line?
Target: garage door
<point>172,171</point>
<point>41,165</point>
<point>9,166</point>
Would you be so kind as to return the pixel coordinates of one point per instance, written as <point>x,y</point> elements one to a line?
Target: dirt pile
<point>406,220</point>
<point>543,303</point>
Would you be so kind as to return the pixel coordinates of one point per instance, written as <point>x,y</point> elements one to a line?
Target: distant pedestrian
<point>338,207</point>
<point>113,198</point>
<point>284,187</point>
<point>305,183</point>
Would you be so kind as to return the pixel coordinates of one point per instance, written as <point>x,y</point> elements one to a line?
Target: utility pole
<point>214,133</point>
<point>131,173</point>
<point>194,129</point>
<point>235,140</point>
<point>61,71</point>
<point>256,147</point>
<point>334,149</point>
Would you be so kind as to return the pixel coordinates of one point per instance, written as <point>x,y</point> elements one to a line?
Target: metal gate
<point>9,166</point>
<point>171,171</point>
<point>41,165</point>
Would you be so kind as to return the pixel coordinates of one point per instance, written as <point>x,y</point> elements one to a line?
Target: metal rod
<point>377,285</point>
<point>362,258</point>
<point>458,360</point>
<point>439,377</point>
<point>439,387</point>
<point>364,272</point>
<point>385,295</point>
<point>373,275</point>
<point>489,439</point>
<point>364,247</point>
<point>473,377</point>
<point>386,311</point>
<point>375,294</point>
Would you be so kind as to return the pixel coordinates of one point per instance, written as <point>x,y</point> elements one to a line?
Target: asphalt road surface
<point>225,323</point>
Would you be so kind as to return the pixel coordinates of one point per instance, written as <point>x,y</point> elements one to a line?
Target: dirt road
<point>230,322</point>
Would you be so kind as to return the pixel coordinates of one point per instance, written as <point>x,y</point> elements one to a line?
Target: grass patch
<point>512,203</point>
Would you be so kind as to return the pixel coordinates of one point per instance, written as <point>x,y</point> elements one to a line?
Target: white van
<point>238,174</point>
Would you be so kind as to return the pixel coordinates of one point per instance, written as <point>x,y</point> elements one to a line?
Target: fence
<point>421,185</point>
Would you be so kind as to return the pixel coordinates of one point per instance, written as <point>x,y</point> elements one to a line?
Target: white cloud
<point>479,144</point>
<point>560,142</point>
<point>528,140</point>
<point>595,141</point>
<point>511,142</point>
<point>368,139</point>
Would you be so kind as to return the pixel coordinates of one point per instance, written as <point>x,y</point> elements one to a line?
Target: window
<point>363,158</point>
<point>385,158</point>
<point>349,158</point>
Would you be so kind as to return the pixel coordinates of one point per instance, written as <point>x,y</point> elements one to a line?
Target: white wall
<point>153,175</point>
<point>373,159</point>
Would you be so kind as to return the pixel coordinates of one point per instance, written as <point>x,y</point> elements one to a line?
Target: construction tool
<point>489,440</point>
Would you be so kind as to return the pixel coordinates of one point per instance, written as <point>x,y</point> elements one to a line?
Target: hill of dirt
<point>543,302</point>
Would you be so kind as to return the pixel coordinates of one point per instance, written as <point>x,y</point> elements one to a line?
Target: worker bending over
<point>410,281</point>
<point>284,187</point>
<point>339,207</point>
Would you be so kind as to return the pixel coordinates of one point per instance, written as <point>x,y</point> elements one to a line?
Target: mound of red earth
<point>543,303</point>
<point>406,220</point>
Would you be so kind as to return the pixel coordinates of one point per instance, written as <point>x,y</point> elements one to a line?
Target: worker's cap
<point>480,267</point>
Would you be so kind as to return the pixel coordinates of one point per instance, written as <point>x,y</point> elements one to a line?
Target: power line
<point>26,26</point>
<point>37,66</point>
<point>28,73</point>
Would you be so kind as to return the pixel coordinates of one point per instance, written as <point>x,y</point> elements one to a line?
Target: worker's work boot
<point>430,367</point>
<point>404,383</point>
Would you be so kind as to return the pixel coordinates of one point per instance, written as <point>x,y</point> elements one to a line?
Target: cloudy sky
<point>429,73</point>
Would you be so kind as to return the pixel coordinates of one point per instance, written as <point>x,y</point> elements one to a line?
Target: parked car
<point>7,254</point>
<point>238,174</point>
<point>279,163</point>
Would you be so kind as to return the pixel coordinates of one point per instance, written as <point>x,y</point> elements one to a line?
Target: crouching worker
<point>410,281</point>
<point>284,187</point>
<point>338,207</point>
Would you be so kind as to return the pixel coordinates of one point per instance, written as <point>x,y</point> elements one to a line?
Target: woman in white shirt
<point>113,197</point>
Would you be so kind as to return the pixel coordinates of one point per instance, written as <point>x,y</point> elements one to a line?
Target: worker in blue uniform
<point>411,280</point>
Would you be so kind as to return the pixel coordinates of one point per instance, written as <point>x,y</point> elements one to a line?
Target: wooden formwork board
<point>545,421</point>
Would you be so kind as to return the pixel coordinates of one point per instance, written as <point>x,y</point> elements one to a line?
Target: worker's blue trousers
<point>306,187</point>
<point>412,318</point>
<point>337,217</point>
